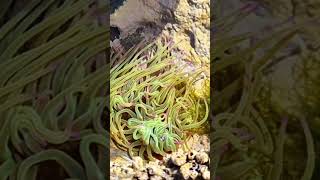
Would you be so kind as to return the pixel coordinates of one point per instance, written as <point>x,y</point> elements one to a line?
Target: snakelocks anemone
<point>153,104</point>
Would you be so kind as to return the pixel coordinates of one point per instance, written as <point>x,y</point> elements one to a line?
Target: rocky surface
<point>142,17</point>
<point>191,29</point>
<point>190,162</point>
<point>185,22</point>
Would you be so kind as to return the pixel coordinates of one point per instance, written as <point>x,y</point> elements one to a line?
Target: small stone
<point>178,158</point>
<point>142,175</point>
<point>126,178</point>
<point>185,170</point>
<point>203,168</point>
<point>155,170</point>
<point>115,170</point>
<point>206,175</point>
<point>206,143</point>
<point>193,174</point>
<point>192,155</point>
<point>126,173</point>
<point>195,166</point>
<point>202,157</point>
<point>156,178</point>
<point>137,162</point>
<point>168,26</point>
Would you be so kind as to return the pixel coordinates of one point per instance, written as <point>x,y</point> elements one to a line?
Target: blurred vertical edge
<point>108,10</point>
<point>212,13</point>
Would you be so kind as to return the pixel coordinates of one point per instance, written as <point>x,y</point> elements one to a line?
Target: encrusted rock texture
<point>186,22</point>
<point>189,162</point>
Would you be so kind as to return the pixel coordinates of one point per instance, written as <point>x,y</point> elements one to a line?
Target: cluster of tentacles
<point>53,86</point>
<point>152,105</point>
<point>308,85</point>
<point>246,141</point>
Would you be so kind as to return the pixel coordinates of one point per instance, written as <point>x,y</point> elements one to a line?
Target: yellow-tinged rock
<point>201,88</point>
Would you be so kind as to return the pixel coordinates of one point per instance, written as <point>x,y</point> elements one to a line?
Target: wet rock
<point>141,12</point>
<point>193,17</point>
<point>193,174</point>
<point>185,170</point>
<point>202,157</point>
<point>137,162</point>
<point>154,169</point>
<point>142,175</point>
<point>189,171</point>
<point>120,171</point>
<point>179,158</point>
<point>205,173</point>
<point>156,178</point>
<point>192,155</point>
<point>199,143</point>
<point>183,164</point>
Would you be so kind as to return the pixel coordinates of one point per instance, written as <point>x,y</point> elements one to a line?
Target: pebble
<point>156,178</point>
<point>193,174</point>
<point>178,158</point>
<point>202,157</point>
<point>206,175</point>
<point>185,170</point>
<point>192,155</point>
<point>142,175</point>
<point>137,162</point>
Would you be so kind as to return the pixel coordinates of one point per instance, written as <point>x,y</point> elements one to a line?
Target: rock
<point>155,170</point>
<point>188,164</point>
<point>192,154</point>
<point>188,171</point>
<point>194,17</point>
<point>199,143</point>
<point>206,175</point>
<point>178,158</point>
<point>120,171</point>
<point>138,12</point>
<point>202,157</point>
<point>137,162</point>
<point>156,178</point>
<point>142,175</point>
<point>203,168</point>
<point>185,170</point>
<point>193,174</point>
<point>141,12</point>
